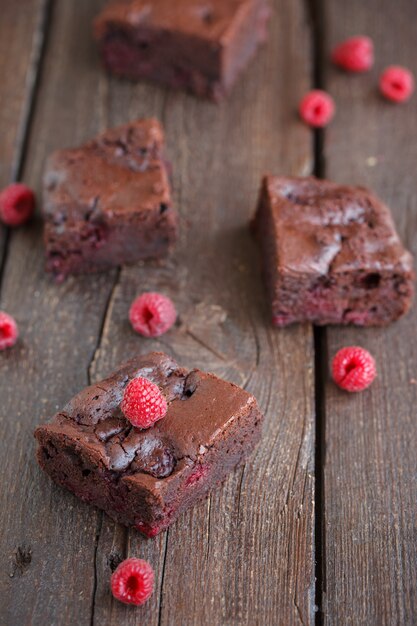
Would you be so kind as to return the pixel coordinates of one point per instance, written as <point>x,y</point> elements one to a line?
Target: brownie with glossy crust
<point>146,478</point>
<point>331,254</point>
<point>108,202</point>
<point>197,45</point>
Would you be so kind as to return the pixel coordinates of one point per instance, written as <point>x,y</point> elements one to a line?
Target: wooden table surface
<point>320,524</point>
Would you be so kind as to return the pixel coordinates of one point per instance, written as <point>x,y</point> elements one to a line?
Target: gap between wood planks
<point>317,17</point>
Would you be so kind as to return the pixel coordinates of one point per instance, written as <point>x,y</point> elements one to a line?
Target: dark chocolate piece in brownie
<point>108,202</point>
<point>331,254</point>
<point>197,45</point>
<point>146,478</point>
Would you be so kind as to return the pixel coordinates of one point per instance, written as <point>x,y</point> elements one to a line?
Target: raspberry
<point>17,203</point>
<point>132,581</point>
<point>317,108</point>
<point>8,331</point>
<point>396,83</point>
<point>147,530</point>
<point>143,404</point>
<point>356,54</point>
<point>152,314</point>
<point>200,472</point>
<point>353,368</point>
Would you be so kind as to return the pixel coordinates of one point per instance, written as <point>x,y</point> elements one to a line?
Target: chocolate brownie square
<point>108,202</point>
<point>146,478</point>
<point>197,45</point>
<point>331,254</point>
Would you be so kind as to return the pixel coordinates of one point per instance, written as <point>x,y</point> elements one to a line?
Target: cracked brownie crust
<point>108,202</point>
<point>197,45</point>
<point>146,478</point>
<point>331,254</point>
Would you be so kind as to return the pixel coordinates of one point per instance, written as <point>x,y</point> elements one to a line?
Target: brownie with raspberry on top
<point>150,440</point>
<point>330,254</point>
<point>108,202</point>
<point>196,45</point>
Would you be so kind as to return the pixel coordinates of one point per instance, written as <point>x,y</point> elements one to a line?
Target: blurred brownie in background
<point>196,45</point>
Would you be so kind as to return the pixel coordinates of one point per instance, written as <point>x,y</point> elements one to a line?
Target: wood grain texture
<point>371,463</point>
<point>245,556</point>
<point>20,41</point>
<point>48,541</point>
<point>21,37</point>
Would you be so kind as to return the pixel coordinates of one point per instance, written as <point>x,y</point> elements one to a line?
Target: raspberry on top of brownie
<point>201,428</point>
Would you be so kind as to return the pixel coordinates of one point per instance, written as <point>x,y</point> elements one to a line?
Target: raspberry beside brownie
<point>331,254</point>
<point>108,202</point>
<point>146,478</point>
<point>200,46</point>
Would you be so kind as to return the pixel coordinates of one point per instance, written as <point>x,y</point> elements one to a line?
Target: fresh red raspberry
<point>396,83</point>
<point>8,331</point>
<point>143,404</point>
<point>132,581</point>
<point>17,203</point>
<point>152,314</point>
<point>356,54</point>
<point>353,368</point>
<point>317,108</point>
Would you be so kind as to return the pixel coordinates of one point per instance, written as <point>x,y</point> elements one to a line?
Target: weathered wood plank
<point>21,37</point>
<point>20,41</point>
<point>48,541</point>
<point>370,468</point>
<point>245,556</point>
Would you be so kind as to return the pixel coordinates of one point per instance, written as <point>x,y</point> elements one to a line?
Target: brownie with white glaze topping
<point>331,254</point>
<point>146,478</point>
